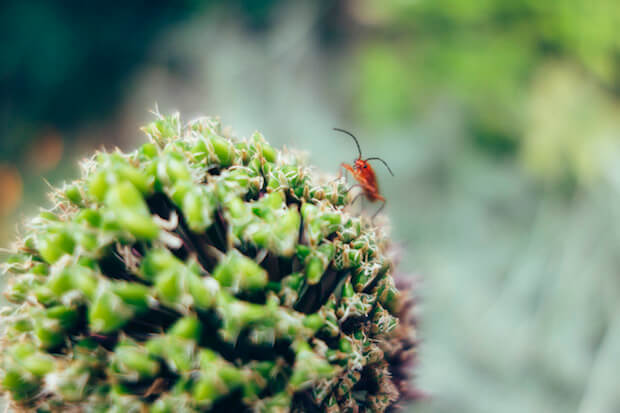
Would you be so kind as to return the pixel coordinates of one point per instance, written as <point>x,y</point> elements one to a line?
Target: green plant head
<point>199,273</point>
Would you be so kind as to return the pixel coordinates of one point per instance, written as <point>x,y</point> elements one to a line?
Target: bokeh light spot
<point>46,152</point>
<point>11,189</point>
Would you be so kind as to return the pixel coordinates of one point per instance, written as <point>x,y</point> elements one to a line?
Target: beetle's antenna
<point>354,138</point>
<point>384,163</point>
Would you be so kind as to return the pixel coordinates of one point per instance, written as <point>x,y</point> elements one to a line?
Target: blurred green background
<point>500,118</point>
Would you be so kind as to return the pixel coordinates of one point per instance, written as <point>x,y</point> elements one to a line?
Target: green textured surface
<point>203,272</point>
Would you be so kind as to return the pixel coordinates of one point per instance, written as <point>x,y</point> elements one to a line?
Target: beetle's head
<point>360,164</point>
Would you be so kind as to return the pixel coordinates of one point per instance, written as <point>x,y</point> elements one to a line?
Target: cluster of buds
<point>200,273</point>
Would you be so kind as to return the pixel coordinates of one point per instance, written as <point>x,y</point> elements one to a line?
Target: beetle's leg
<point>380,209</point>
<point>348,168</point>
<point>356,198</point>
<point>343,168</point>
<point>382,199</point>
<point>353,186</point>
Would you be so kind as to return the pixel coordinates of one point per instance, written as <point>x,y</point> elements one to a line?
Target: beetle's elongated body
<point>364,174</point>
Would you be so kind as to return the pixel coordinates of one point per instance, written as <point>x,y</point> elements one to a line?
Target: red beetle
<point>365,175</point>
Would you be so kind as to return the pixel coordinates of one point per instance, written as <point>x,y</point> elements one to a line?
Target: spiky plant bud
<point>201,273</point>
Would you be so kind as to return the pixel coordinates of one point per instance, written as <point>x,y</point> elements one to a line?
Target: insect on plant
<point>364,174</point>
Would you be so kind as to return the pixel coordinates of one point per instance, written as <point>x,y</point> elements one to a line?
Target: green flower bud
<point>55,244</point>
<point>163,129</point>
<point>308,367</point>
<point>239,273</point>
<point>223,150</point>
<point>31,360</point>
<point>73,194</point>
<point>22,286</point>
<point>130,210</point>
<point>21,386</point>
<point>148,151</point>
<point>169,403</point>
<point>98,186</point>
<point>71,383</point>
<point>51,325</point>
<point>38,364</point>
<point>131,362</point>
<point>109,312</point>
<point>135,295</point>
<point>187,327</point>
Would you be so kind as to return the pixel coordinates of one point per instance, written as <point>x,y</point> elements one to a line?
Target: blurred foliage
<point>495,59</point>
<point>570,123</point>
<point>66,64</point>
